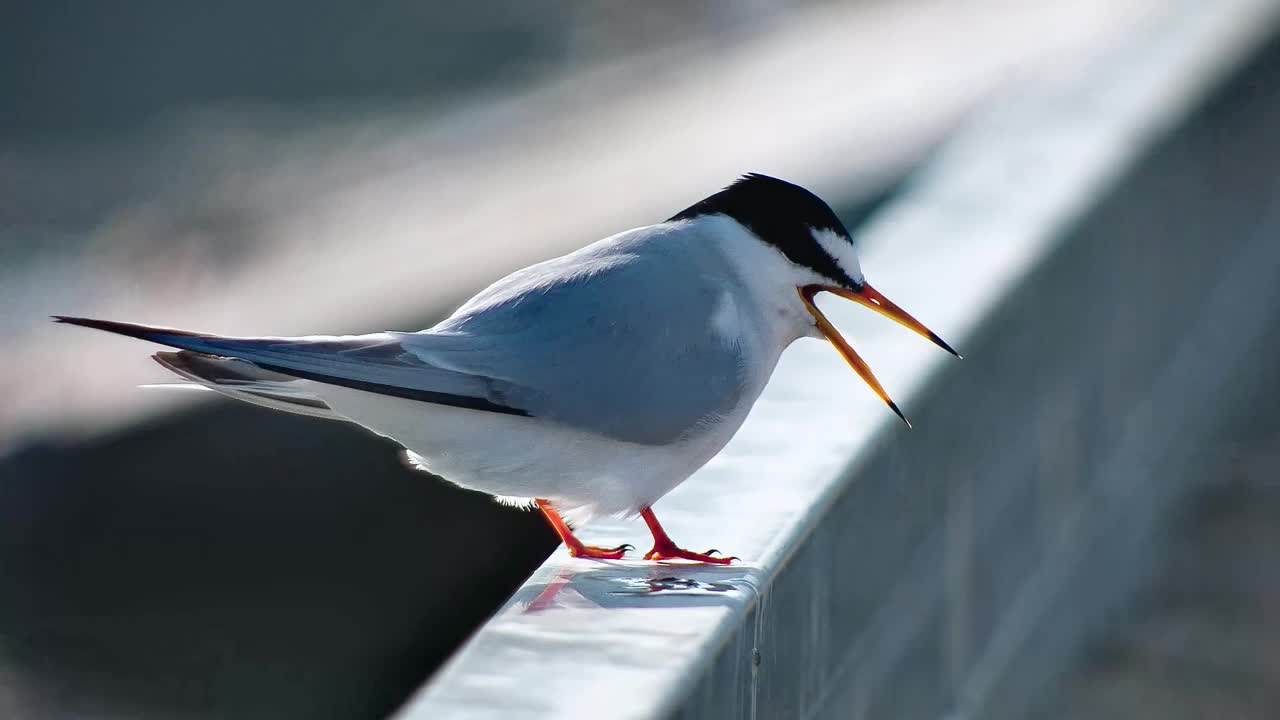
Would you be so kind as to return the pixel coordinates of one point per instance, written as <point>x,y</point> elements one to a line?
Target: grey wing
<point>375,363</point>
<point>609,341</point>
<point>625,349</point>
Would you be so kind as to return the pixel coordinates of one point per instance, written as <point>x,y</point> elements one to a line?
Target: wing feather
<point>616,339</point>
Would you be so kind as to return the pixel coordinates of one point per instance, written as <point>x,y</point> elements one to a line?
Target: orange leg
<point>665,549</point>
<point>576,548</point>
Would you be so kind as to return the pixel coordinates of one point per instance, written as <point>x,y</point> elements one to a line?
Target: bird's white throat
<point>766,282</point>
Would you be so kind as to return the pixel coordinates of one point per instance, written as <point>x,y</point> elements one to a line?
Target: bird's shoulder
<point>619,338</point>
<point>638,273</point>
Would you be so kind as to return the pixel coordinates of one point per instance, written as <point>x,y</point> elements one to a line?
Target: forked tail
<point>233,377</point>
<point>245,381</point>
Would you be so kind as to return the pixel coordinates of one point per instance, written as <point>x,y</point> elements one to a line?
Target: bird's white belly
<point>515,457</point>
<point>586,474</point>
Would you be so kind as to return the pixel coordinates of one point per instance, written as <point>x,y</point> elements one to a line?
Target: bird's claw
<point>714,551</point>
<point>598,553</point>
<point>677,553</point>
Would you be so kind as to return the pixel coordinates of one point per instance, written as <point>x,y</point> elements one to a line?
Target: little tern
<point>586,385</point>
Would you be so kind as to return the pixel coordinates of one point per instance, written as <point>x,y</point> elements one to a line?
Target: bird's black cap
<point>782,214</point>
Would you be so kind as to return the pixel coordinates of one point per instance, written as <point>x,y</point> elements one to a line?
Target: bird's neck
<point>765,279</point>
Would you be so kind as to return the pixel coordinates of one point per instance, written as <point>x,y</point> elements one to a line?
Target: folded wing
<point>612,342</point>
<point>374,363</point>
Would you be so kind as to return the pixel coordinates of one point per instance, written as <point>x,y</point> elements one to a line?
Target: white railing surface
<point>1070,244</point>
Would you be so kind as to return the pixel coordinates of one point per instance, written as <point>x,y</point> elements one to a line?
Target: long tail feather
<point>376,363</point>
<point>244,381</point>
<point>142,332</point>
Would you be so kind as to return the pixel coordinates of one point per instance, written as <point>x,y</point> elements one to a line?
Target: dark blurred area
<point>1202,641</point>
<point>234,562</point>
<point>117,67</point>
<point>77,69</point>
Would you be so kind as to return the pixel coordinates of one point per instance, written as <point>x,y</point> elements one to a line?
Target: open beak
<point>869,297</point>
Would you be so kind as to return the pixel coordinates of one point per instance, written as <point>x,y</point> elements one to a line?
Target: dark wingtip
<point>81,321</point>
<point>894,406</point>
<point>142,332</point>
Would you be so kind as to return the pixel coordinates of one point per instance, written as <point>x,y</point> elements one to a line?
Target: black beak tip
<point>943,344</point>
<point>894,406</point>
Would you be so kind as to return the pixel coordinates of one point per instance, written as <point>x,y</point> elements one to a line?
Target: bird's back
<point>623,338</point>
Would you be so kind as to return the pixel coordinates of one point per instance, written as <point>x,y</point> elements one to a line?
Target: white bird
<point>590,384</point>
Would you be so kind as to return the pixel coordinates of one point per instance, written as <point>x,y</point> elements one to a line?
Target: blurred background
<point>301,167</point>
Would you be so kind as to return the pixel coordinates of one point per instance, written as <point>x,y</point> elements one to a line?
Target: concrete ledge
<point>1108,277</point>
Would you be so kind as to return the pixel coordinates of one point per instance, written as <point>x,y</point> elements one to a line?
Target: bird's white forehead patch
<point>840,250</point>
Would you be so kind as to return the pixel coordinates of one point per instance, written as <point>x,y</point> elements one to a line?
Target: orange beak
<point>868,297</point>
